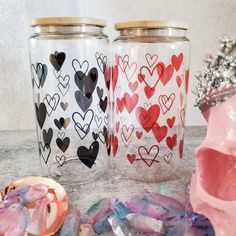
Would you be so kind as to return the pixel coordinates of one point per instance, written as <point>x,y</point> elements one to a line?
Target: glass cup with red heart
<point>150,85</point>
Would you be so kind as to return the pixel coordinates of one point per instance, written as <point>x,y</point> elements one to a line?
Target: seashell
<point>47,203</point>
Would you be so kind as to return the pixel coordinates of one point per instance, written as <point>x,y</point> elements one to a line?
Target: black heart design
<point>51,102</point>
<point>88,156</point>
<point>41,112</point>
<point>103,104</point>
<point>98,121</point>
<point>45,152</point>
<point>47,136</point>
<point>60,160</point>
<point>57,73</point>
<point>87,83</point>
<point>64,105</point>
<point>82,122</point>
<point>59,123</point>
<point>106,119</point>
<point>61,135</point>
<point>63,89</point>
<point>101,61</point>
<point>83,101</point>
<point>95,136</point>
<point>57,59</point>
<point>99,92</point>
<point>64,81</point>
<point>82,67</point>
<point>63,144</point>
<point>40,71</point>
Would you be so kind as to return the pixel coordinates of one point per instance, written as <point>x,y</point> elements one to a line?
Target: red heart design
<point>151,59</point>
<point>159,132</point>
<point>147,118</point>
<point>120,104</point>
<point>127,132</point>
<point>133,86</point>
<point>171,121</point>
<point>130,102</point>
<point>127,68</point>
<point>114,145</point>
<point>165,73</point>
<point>177,61</point>
<point>141,77</point>
<point>114,76</point>
<point>148,156</point>
<point>166,102</point>
<point>181,147</point>
<point>117,127</point>
<point>139,134</point>
<point>131,158</point>
<point>149,77</point>
<point>149,91</point>
<point>186,80</point>
<point>167,157</point>
<point>179,80</point>
<point>171,141</point>
<point>181,96</point>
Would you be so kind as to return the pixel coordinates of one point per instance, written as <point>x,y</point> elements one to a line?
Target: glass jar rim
<point>68,21</point>
<point>149,24</point>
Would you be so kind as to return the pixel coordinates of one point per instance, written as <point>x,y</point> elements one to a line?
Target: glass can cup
<point>68,59</point>
<point>150,84</point>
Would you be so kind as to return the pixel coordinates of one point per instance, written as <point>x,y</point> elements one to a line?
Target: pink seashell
<point>213,186</point>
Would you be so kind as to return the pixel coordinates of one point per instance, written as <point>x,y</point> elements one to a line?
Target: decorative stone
<point>86,230</point>
<point>71,224</point>
<point>145,224</point>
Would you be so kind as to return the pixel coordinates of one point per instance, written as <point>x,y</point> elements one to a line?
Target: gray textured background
<point>207,20</point>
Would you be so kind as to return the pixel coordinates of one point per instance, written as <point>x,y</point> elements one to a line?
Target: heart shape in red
<point>165,73</point>
<point>148,156</point>
<point>147,118</point>
<point>171,141</point>
<point>131,158</point>
<point>133,86</point>
<point>177,61</point>
<point>159,132</point>
<point>171,121</point>
<point>149,91</point>
<point>130,101</point>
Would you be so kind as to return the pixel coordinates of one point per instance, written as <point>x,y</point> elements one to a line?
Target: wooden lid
<point>149,24</point>
<point>67,21</point>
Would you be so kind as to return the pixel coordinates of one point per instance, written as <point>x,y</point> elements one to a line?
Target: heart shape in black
<point>41,112</point>
<point>60,160</point>
<point>44,151</point>
<point>99,92</point>
<point>63,144</point>
<point>83,101</point>
<point>47,136</point>
<point>88,156</point>
<point>57,59</point>
<point>39,73</point>
<point>59,123</point>
<point>101,61</point>
<point>103,104</point>
<point>82,122</point>
<point>87,83</point>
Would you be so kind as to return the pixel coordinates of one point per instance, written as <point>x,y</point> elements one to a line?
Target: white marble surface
<point>207,21</point>
<point>19,158</point>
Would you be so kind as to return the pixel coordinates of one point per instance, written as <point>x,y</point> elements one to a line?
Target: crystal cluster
<point>149,215</point>
<point>218,82</point>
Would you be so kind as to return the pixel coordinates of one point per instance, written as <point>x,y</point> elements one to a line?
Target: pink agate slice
<point>213,186</point>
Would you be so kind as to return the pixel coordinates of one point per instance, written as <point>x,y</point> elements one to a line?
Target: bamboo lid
<point>153,24</point>
<point>67,21</point>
